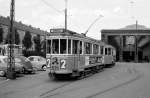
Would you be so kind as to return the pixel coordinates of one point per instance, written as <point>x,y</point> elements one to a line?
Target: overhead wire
<point>51,6</point>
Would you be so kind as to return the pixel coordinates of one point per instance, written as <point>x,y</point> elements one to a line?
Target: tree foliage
<point>37,41</point>
<point>17,38</point>
<point>27,42</point>
<point>1,34</point>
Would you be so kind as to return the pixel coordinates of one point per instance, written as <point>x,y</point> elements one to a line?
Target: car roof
<point>1,57</point>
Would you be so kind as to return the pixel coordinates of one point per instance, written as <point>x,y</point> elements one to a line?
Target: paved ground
<point>125,80</point>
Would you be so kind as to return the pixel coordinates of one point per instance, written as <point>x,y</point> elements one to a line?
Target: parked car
<point>3,66</point>
<point>27,65</point>
<point>38,62</point>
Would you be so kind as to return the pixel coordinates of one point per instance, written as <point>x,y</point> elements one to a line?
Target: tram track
<point>136,77</point>
<point>115,87</point>
<point>43,95</point>
<point>48,93</point>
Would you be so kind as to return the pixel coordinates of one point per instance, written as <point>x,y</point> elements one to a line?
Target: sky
<point>103,14</point>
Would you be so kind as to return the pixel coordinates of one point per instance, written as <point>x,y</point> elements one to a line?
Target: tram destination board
<point>57,30</point>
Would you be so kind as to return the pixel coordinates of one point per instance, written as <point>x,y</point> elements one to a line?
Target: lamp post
<point>11,61</point>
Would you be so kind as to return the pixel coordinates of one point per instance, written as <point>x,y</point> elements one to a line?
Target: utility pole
<point>11,61</point>
<point>65,15</point>
<point>136,41</point>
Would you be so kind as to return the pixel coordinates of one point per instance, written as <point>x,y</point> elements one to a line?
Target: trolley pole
<point>11,61</point>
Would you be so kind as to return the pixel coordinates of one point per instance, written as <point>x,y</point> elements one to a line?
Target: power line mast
<point>11,61</point>
<point>65,15</point>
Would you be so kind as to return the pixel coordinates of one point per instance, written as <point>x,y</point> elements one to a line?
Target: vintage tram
<point>75,55</point>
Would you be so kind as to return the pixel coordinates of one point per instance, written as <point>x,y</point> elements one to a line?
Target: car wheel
<point>44,67</point>
<point>2,73</point>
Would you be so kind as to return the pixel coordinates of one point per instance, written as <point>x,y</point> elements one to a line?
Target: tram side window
<point>69,46</point>
<point>49,46</point>
<point>63,46</point>
<point>80,47</point>
<point>88,48</point>
<point>75,47</point>
<point>55,46</point>
<point>106,52</point>
<point>109,51</point>
<point>101,50</point>
<point>95,49</point>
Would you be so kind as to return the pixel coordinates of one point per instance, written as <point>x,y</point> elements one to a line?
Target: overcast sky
<point>46,14</point>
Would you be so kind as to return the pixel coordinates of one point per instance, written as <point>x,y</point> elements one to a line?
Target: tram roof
<point>63,32</point>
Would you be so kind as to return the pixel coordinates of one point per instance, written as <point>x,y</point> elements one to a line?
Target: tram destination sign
<point>57,30</point>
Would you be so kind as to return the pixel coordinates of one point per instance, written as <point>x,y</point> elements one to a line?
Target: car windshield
<point>31,59</point>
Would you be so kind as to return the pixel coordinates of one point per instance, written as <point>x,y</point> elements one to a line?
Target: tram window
<point>80,47</point>
<point>95,49</point>
<point>106,51</point>
<point>55,46</point>
<point>49,46</point>
<point>75,47</point>
<point>102,49</point>
<point>63,46</point>
<point>88,48</point>
<point>69,46</point>
<point>109,51</point>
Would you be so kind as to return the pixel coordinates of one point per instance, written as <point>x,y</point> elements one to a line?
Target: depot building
<point>132,42</point>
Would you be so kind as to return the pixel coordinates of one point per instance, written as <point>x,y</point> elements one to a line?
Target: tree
<point>1,34</point>
<point>17,38</point>
<point>37,41</point>
<point>43,45</point>
<point>7,39</point>
<point>27,42</point>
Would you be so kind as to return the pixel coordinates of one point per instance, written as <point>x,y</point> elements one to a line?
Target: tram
<point>74,55</point>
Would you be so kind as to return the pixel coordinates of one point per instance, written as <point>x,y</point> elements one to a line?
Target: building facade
<point>21,29</point>
<point>132,42</point>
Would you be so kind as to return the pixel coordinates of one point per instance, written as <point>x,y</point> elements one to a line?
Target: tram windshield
<point>64,46</point>
<point>55,46</point>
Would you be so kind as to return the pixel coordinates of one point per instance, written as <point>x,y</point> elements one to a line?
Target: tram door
<point>77,50</point>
